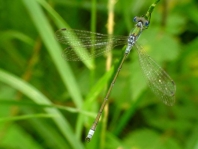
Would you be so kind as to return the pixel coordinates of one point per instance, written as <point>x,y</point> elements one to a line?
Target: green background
<point>49,103</point>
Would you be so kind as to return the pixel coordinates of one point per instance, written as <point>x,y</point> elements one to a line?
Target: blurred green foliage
<point>49,103</point>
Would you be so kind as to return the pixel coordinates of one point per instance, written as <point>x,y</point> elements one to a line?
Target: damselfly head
<point>144,22</point>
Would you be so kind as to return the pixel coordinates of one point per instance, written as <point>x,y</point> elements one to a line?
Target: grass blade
<point>39,98</point>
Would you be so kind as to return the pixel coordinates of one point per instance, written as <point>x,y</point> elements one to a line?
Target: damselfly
<point>158,80</point>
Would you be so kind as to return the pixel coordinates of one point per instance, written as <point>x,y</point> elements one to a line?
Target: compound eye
<point>146,23</point>
<point>135,19</point>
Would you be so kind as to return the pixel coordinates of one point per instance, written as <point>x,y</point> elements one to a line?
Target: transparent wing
<point>83,45</point>
<point>159,81</point>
